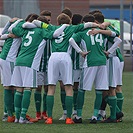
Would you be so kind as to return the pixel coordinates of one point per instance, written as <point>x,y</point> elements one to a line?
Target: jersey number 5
<point>29,37</point>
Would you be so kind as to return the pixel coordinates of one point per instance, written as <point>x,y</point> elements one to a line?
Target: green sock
<point>13,93</point>
<point>112,104</point>
<point>44,102</point>
<point>117,108</point>
<point>63,97</point>
<point>25,103</point>
<point>8,100</point>
<point>120,99</point>
<point>69,104</point>
<point>98,102</point>
<point>80,102</point>
<point>38,100</point>
<point>75,98</point>
<point>50,104</point>
<point>17,103</point>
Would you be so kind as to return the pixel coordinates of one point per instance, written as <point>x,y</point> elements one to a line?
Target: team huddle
<point>77,52</point>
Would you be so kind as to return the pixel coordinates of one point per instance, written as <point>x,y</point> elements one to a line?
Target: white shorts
<point>24,77</point>
<point>60,66</point>
<point>7,71</point>
<point>42,78</point>
<point>96,75</point>
<point>113,66</point>
<point>76,75</point>
<point>120,72</point>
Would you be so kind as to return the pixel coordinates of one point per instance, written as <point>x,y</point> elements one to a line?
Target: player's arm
<point>59,31</point>
<point>8,24</point>
<point>90,25</point>
<point>6,36</point>
<point>14,25</point>
<point>105,32</point>
<point>104,25</point>
<point>115,45</point>
<point>29,25</point>
<point>77,48</point>
<point>40,24</point>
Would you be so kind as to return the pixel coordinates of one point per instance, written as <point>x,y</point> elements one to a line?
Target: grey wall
<point>20,8</point>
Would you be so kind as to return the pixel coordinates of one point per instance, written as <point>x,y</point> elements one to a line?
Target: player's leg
<point>8,100</point>
<point>63,97</point>
<point>66,71</point>
<point>17,103</point>
<point>77,74</point>
<point>38,101</point>
<point>100,85</point>
<point>86,82</point>
<point>53,76</point>
<point>69,102</point>
<point>75,94</point>
<point>7,69</point>
<point>113,66</point>
<point>50,103</point>
<point>29,80</point>
<point>38,94</point>
<point>44,114</point>
<point>119,93</point>
<point>102,112</point>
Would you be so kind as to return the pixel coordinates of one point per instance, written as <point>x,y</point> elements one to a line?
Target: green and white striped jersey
<point>45,57</point>
<point>61,44</point>
<point>93,43</point>
<point>10,49</point>
<point>32,46</point>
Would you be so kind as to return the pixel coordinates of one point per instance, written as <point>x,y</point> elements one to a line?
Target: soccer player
<point>119,93</point>
<point>113,66</point>
<point>42,75</point>
<point>93,67</point>
<point>42,81</point>
<point>27,64</point>
<point>77,62</point>
<point>68,12</point>
<point>8,56</point>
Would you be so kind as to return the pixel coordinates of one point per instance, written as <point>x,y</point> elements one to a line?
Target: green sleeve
<point>77,37</point>
<point>47,34</point>
<point>18,30</point>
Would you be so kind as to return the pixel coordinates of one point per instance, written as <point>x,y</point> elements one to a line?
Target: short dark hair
<point>43,19</point>
<point>76,19</point>
<point>67,11</point>
<point>33,17</point>
<point>26,19</point>
<point>88,18</point>
<point>45,13</point>
<point>99,17</point>
<point>95,11</point>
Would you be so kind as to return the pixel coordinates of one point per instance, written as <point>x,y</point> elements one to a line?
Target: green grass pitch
<point>60,127</point>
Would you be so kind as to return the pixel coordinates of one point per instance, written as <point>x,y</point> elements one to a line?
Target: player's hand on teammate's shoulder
<point>93,31</point>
